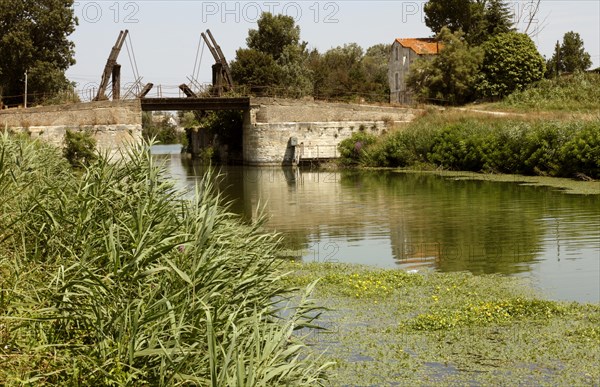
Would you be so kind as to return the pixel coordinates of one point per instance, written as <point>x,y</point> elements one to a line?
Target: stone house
<point>403,54</point>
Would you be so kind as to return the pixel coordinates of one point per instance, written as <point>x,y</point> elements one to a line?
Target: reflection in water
<point>416,221</point>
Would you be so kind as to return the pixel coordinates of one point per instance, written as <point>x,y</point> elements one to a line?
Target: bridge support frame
<point>116,81</point>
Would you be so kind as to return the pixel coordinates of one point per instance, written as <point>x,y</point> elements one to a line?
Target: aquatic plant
<point>448,329</point>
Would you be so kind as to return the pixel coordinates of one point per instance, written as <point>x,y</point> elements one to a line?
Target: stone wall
<point>272,126</point>
<point>112,123</point>
<point>270,110</point>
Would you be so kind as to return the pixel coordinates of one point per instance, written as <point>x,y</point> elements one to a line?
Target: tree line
<point>277,62</point>
<point>483,57</point>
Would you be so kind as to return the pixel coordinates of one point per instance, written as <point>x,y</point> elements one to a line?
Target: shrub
<point>399,149</point>
<point>457,147</point>
<point>540,149</point>
<point>163,131</point>
<point>554,148</point>
<point>80,148</point>
<point>510,63</point>
<point>581,153</point>
<point>351,149</point>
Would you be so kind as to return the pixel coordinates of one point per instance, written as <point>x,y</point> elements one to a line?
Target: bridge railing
<point>316,152</point>
<point>131,90</point>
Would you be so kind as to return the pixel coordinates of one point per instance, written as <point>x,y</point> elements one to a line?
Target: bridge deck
<point>213,103</point>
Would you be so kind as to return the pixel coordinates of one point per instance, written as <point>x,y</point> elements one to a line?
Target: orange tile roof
<point>422,46</point>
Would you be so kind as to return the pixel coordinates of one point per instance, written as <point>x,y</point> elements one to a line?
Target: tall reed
<point>110,276</point>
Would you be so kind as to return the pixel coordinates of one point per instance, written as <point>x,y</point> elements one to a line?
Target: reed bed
<point>110,276</point>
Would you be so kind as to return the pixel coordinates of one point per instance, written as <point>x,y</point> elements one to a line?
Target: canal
<point>420,221</point>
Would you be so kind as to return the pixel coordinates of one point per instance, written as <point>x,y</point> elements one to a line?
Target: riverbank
<point>562,97</point>
<point>467,141</point>
<point>391,327</point>
<point>550,129</point>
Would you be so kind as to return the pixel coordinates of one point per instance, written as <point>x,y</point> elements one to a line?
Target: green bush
<point>551,148</point>
<point>501,152</point>
<point>457,147</point>
<point>540,149</point>
<point>79,148</point>
<point>351,149</point>
<point>395,152</point>
<point>511,62</point>
<point>581,153</point>
<point>163,131</point>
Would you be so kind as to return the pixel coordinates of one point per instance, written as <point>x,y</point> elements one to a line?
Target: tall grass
<point>578,92</point>
<point>112,277</point>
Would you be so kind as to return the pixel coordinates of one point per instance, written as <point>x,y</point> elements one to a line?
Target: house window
<point>404,60</point>
<point>397,53</point>
<point>397,77</point>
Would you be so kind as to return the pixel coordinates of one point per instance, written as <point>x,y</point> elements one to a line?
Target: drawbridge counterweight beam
<point>111,68</point>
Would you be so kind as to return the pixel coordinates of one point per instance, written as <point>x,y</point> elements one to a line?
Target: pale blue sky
<point>165,34</point>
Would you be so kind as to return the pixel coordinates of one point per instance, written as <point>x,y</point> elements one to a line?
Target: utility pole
<point>25,89</point>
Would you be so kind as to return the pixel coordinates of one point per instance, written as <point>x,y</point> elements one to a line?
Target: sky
<point>164,35</point>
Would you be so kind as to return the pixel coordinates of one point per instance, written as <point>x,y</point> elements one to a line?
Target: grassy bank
<point>576,93</point>
<point>473,142</point>
<point>108,276</point>
<point>389,327</point>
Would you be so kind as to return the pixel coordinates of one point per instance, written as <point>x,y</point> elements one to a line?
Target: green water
<point>422,222</point>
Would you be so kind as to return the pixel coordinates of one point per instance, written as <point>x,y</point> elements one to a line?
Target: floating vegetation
<point>448,329</point>
<point>486,313</point>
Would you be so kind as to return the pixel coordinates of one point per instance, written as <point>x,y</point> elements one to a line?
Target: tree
<point>255,69</point>
<point>296,76</point>
<point>275,32</point>
<point>553,65</point>
<point>347,72</point>
<point>451,76</point>
<point>337,72</point>
<point>498,18</point>
<point>453,14</point>
<point>375,64</point>
<point>573,55</point>
<point>527,18</point>
<point>478,19</point>
<point>33,38</point>
<point>570,56</point>
<point>275,59</point>
<point>510,63</point>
